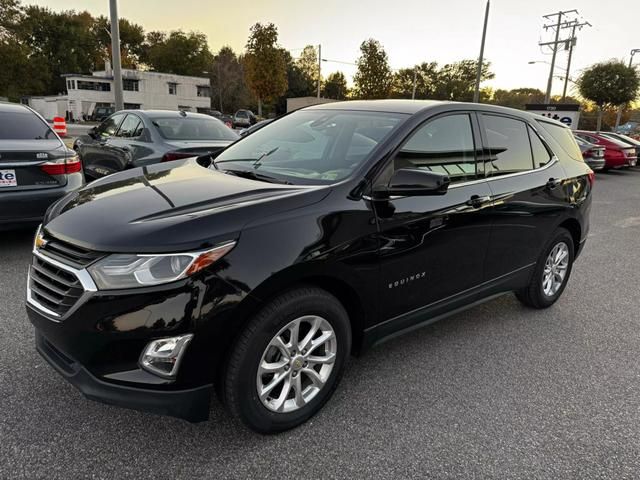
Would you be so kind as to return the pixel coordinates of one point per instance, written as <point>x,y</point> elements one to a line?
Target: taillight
<point>169,156</point>
<point>62,166</point>
<point>592,178</point>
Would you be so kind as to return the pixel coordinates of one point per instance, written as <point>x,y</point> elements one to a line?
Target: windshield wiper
<point>253,175</point>
<point>255,161</point>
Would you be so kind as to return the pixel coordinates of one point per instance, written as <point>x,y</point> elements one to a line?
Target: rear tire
<point>266,352</point>
<point>552,272</point>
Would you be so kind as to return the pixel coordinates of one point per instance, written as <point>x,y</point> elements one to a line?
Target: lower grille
<point>55,289</point>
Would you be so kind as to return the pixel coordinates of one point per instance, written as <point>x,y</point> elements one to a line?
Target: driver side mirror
<point>93,132</point>
<point>413,182</point>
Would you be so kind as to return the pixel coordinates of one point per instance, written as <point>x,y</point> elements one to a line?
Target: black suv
<point>315,237</point>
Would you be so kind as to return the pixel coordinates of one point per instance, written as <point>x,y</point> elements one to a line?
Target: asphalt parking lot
<point>496,392</point>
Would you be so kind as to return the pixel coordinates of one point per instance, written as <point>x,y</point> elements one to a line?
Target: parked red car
<point>616,154</point>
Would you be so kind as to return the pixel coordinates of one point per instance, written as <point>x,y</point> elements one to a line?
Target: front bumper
<point>191,404</point>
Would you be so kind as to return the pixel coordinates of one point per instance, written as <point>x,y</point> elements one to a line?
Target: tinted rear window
<point>194,128</point>
<point>563,136</point>
<point>23,126</point>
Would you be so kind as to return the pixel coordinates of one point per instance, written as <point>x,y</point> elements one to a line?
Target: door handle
<point>553,183</point>
<point>476,201</point>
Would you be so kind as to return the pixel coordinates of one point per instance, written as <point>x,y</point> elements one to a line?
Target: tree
<point>265,65</point>
<point>62,40</point>
<point>227,79</point>
<point>335,86</point>
<point>426,75</point>
<point>308,64</point>
<point>132,41</point>
<point>456,81</point>
<point>609,84</point>
<point>179,53</point>
<point>518,97</point>
<point>373,78</point>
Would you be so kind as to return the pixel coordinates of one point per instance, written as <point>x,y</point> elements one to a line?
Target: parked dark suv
<point>315,237</point>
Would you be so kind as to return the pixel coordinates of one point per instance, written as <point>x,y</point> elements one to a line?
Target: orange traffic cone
<point>60,126</point>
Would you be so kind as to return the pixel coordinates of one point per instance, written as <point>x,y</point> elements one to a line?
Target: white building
<point>144,90</point>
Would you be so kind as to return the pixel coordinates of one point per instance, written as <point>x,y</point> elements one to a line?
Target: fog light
<point>162,357</point>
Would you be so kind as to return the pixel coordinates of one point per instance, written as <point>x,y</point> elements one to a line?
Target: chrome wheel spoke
<point>286,389</point>
<point>294,331</point>
<point>326,336</point>
<point>273,367</point>
<point>297,385</point>
<point>314,377</point>
<point>326,359</point>
<point>264,392</point>
<point>315,326</point>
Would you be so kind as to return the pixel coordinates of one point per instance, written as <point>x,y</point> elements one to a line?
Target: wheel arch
<point>574,228</point>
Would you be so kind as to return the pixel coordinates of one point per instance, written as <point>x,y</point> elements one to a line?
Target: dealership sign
<point>567,113</point>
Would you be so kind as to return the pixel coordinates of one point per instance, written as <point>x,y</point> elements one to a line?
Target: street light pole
<point>319,68</point>
<point>415,80</point>
<point>115,55</point>
<point>619,115</point>
<point>476,92</point>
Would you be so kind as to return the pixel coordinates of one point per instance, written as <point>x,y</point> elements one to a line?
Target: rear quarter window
<point>563,137</point>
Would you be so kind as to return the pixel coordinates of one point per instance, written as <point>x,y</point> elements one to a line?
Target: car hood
<point>169,207</point>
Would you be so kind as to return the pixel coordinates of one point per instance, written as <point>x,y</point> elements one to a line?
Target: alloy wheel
<point>555,269</point>
<point>296,364</point>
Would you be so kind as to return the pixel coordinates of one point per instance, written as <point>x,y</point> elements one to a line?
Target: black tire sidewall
<point>271,321</point>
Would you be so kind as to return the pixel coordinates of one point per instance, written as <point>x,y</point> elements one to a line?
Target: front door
<point>433,247</point>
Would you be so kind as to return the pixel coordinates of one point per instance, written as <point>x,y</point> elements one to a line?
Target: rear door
<point>27,143</point>
<point>96,156</point>
<point>527,186</point>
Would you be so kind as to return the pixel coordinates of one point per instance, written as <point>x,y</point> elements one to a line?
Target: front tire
<point>288,361</point>
<point>551,273</point>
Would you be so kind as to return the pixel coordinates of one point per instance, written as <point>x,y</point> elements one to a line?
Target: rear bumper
<point>191,405</point>
<point>28,207</point>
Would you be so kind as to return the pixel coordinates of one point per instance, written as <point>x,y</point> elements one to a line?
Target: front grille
<point>55,289</point>
<point>69,254</point>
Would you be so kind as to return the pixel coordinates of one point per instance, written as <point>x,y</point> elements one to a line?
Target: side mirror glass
<point>410,182</point>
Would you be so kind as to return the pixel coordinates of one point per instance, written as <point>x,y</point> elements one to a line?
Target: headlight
<point>130,270</point>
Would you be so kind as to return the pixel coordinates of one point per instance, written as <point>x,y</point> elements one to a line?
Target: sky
<point>411,31</point>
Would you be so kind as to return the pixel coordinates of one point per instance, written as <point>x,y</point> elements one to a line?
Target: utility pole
<point>319,68</point>
<point>619,115</point>
<point>572,43</point>
<point>415,80</point>
<point>557,27</point>
<point>476,92</point>
<point>115,55</point>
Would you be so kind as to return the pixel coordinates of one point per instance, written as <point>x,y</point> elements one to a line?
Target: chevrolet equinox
<point>316,237</point>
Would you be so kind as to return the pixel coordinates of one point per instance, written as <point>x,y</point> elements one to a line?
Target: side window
<point>564,137</point>
<point>443,145</point>
<point>541,155</point>
<point>110,125</point>
<point>129,127</point>
<point>509,147</point>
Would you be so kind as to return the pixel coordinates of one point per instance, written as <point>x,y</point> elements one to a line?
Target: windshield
<point>311,146</point>
<point>193,128</point>
<point>23,126</point>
